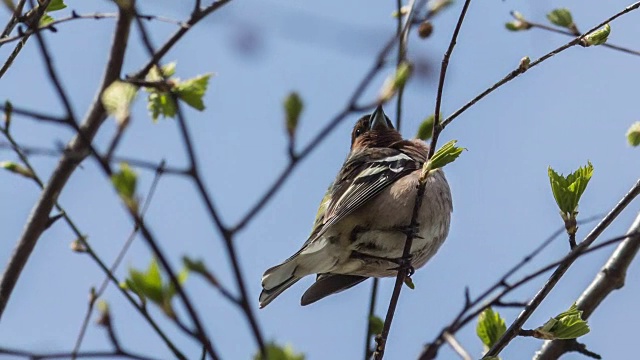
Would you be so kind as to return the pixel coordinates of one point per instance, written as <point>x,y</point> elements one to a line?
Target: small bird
<point>363,221</point>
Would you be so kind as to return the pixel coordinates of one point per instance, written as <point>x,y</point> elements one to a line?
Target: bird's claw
<point>404,263</point>
<point>412,231</point>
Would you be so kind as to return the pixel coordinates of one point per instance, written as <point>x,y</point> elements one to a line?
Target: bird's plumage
<point>360,229</point>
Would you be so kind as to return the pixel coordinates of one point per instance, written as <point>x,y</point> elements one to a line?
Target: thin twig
<point>372,309</point>
<point>569,33</point>
<point>404,270</point>
<point>515,73</point>
<point>35,14</point>
<point>75,16</point>
<point>456,346</point>
<point>114,266</point>
<point>66,355</point>
<point>513,329</point>
<point>14,19</point>
<point>611,277</point>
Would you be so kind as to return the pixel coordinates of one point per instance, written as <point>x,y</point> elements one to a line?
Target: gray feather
<point>328,284</point>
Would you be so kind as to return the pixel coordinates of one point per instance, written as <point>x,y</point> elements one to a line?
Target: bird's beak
<point>379,120</point>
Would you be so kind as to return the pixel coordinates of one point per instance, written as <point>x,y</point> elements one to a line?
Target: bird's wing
<point>364,175</point>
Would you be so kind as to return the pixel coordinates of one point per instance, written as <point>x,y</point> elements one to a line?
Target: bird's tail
<point>276,280</point>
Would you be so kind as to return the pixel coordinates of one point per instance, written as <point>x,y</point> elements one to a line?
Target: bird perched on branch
<point>363,221</point>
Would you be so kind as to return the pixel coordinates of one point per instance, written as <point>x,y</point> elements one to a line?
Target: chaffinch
<point>360,230</point>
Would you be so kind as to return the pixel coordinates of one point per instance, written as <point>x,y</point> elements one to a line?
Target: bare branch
<point>39,217</point>
<point>404,270</point>
<point>515,73</point>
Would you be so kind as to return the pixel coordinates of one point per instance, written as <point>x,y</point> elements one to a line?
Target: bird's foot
<point>412,231</point>
<point>404,263</point>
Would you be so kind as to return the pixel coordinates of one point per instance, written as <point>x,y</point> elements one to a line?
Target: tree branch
<point>37,222</point>
<point>515,327</point>
<point>404,270</point>
<point>611,277</point>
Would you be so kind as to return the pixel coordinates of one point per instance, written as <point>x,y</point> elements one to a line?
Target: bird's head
<point>375,130</point>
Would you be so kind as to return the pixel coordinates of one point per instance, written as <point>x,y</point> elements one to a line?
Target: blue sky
<point>573,108</point>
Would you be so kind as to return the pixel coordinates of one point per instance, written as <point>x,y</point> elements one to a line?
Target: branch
<point>65,355</point>
<point>516,326</point>
<point>32,18</point>
<point>520,70</point>
<point>569,33</point>
<point>404,271</point>
<point>37,222</point>
<point>75,16</point>
<point>611,277</point>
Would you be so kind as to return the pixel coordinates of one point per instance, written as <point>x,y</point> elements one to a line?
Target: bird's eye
<point>359,131</point>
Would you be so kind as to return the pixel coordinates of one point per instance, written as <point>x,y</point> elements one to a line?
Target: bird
<point>362,223</point>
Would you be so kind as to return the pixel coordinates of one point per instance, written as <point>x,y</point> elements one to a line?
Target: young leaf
<point>170,290</point>
<point>9,4</point>
<point>125,181</point>
<point>567,190</point>
<point>293,106</point>
<point>56,5</point>
<point>394,83</point>
<point>633,134</point>
<point>425,130</point>
<point>567,325</point>
<point>45,20</point>
<point>561,17</point>
<point>445,155</point>
<point>192,90</point>
<point>277,352</point>
<point>597,37</point>
<point>147,284</point>
<point>519,24</point>
<point>16,168</point>
<point>199,267</point>
<point>117,99</point>
<point>161,104</point>
<point>168,70</point>
<point>375,325</point>
<point>490,327</point>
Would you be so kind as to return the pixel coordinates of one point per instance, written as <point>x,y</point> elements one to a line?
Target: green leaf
<point>633,134</point>
<point>168,70</point>
<point>125,181</point>
<point>561,17</point>
<point>436,6</point>
<point>490,327</point>
<point>45,20</point>
<point>293,106</point>
<point>598,37</point>
<point>191,91</point>
<point>519,24</point>
<point>199,267</point>
<point>117,99</point>
<point>277,352</point>
<point>409,282</point>
<point>147,284</point>
<point>9,4</point>
<point>171,289</point>
<point>56,5</point>
<point>375,325</point>
<point>425,130</point>
<point>161,104</point>
<point>394,83</point>
<point>567,325</point>
<point>16,169</point>
<point>567,190</point>
<point>448,153</point>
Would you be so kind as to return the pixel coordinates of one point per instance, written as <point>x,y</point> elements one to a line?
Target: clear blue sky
<point>573,108</point>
